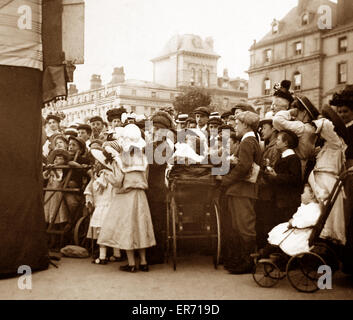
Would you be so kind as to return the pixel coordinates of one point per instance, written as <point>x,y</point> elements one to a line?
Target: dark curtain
<point>22,225</point>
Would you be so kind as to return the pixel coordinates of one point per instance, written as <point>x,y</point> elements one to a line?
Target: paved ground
<point>195,278</point>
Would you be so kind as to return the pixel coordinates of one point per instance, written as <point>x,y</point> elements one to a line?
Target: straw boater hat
<point>58,152</point>
<point>71,132</point>
<point>182,118</point>
<point>85,126</point>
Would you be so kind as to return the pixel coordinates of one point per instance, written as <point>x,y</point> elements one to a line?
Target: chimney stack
<point>96,81</point>
<point>72,89</point>
<point>344,11</point>
<point>118,75</point>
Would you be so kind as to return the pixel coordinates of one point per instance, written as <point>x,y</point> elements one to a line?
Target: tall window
<point>342,44</point>
<point>268,55</point>
<point>342,72</point>
<point>199,78</point>
<point>305,19</point>
<point>193,75</point>
<point>207,78</point>
<point>154,94</point>
<point>133,92</point>
<point>297,80</point>
<point>225,102</point>
<point>298,48</point>
<point>267,87</point>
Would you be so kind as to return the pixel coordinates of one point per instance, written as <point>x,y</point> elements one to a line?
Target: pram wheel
<point>302,271</point>
<point>80,232</point>
<point>266,273</point>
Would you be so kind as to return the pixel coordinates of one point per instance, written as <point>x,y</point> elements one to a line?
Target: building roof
<point>291,23</point>
<point>188,43</point>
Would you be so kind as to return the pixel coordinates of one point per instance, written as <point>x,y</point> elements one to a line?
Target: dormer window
<point>305,19</point>
<point>275,26</point>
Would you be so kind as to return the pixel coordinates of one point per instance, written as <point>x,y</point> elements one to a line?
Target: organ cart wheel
<point>266,273</point>
<point>80,232</point>
<point>302,271</point>
<point>174,213</point>
<point>217,254</point>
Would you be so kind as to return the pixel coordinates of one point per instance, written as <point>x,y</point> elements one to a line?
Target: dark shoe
<point>128,268</point>
<point>143,267</point>
<point>116,259</point>
<point>100,261</point>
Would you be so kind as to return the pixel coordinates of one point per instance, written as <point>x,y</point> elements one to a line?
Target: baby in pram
<point>292,237</point>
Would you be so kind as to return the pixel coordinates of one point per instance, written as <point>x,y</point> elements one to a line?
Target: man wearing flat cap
<point>264,203</point>
<point>242,194</point>
<point>201,115</point>
<point>299,120</point>
<point>159,149</point>
<point>84,132</point>
<point>97,125</point>
<point>241,107</point>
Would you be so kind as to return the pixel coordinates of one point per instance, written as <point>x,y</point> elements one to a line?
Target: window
<point>305,19</point>
<point>133,92</point>
<point>153,94</point>
<point>267,86</point>
<point>207,78</point>
<point>298,48</point>
<point>268,55</point>
<point>342,44</point>
<point>193,75</point>
<point>225,102</point>
<point>342,72</point>
<point>153,110</point>
<point>297,81</point>
<point>133,109</point>
<point>274,27</point>
<point>199,78</point>
<point>172,96</point>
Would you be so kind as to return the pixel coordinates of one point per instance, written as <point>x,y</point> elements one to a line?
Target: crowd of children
<point>122,167</point>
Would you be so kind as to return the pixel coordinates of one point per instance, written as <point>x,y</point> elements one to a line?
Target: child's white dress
<point>99,193</point>
<point>295,240</point>
<point>329,163</point>
<point>128,225</point>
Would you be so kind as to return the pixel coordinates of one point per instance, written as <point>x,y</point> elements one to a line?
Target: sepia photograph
<point>176,156</point>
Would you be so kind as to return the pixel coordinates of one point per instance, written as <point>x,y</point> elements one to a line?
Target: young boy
<point>285,177</point>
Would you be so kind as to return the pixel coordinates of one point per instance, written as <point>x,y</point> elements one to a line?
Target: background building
<point>186,60</point>
<point>318,61</point>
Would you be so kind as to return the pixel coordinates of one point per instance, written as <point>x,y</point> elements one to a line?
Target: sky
<point>130,33</point>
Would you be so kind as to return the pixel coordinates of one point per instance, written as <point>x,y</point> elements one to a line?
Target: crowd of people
<point>273,164</point>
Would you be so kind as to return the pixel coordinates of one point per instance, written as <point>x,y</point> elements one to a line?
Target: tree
<point>192,99</point>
